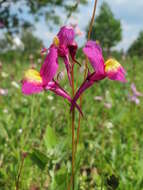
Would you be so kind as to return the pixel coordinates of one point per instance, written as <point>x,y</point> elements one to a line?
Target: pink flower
<point>134,97</point>
<point>134,90</point>
<point>64,42</point>
<point>110,69</point>
<point>35,82</point>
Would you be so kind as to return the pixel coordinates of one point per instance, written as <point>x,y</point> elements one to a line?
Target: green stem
<point>19,174</point>
<point>85,73</point>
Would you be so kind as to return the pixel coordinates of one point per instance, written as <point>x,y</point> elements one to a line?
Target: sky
<point>129,12</point>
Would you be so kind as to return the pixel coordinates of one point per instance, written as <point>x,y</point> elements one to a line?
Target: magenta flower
<point>110,69</point>
<point>35,82</point>
<point>64,42</point>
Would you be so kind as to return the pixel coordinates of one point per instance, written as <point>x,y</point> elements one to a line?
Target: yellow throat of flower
<point>111,65</point>
<point>33,76</point>
<point>56,41</point>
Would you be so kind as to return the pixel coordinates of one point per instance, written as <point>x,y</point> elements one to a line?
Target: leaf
<point>60,179</point>
<point>39,158</point>
<point>50,139</point>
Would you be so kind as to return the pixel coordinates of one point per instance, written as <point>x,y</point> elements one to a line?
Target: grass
<point>110,151</point>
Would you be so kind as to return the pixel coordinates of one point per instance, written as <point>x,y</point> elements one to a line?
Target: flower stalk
<point>85,72</point>
<point>20,170</point>
<point>73,129</point>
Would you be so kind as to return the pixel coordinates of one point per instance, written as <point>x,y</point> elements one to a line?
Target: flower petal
<point>114,70</point>
<point>32,82</point>
<point>94,53</point>
<point>68,68</point>
<point>72,50</point>
<point>50,66</point>
<point>66,35</point>
<point>29,88</point>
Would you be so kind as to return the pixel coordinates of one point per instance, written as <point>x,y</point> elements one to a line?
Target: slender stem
<point>74,149</point>
<point>92,20</point>
<point>85,73</point>
<point>73,133</point>
<point>20,171</point>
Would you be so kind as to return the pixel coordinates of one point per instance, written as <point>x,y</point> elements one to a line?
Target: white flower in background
<point>39,61</point>
<point>15,84</point>
<point>3,92</point>
<point>5,110</point>
<point>74,24</point>
<point>107,105</point>
<point>98,98</point>
<point>31,56</point>
<point>78,32</point>
<point>82,68</point>
<point>20,130</point>
<point>17,43</point>
<point>109,125</point>
<point>50,97</point>
<point>4,75</point>
<point>53,108</point>
<point>24,100</point>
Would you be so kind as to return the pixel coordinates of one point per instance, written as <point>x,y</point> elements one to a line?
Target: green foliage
<point>105,23</point>
<point>31,43</point>
<point>39,158</point>
<point>110,151</point>
<point>50,138</point>
<point>136,48</point>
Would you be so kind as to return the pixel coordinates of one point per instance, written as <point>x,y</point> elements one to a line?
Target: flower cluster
<point>65,46</point>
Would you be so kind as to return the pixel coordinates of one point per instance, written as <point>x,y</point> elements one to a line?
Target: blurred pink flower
<point>134,90</point>
<point>135,94</point>
<point>107,105</point>
<point>77,30</point>
<point>134,99</point>
<point>98,98</point>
